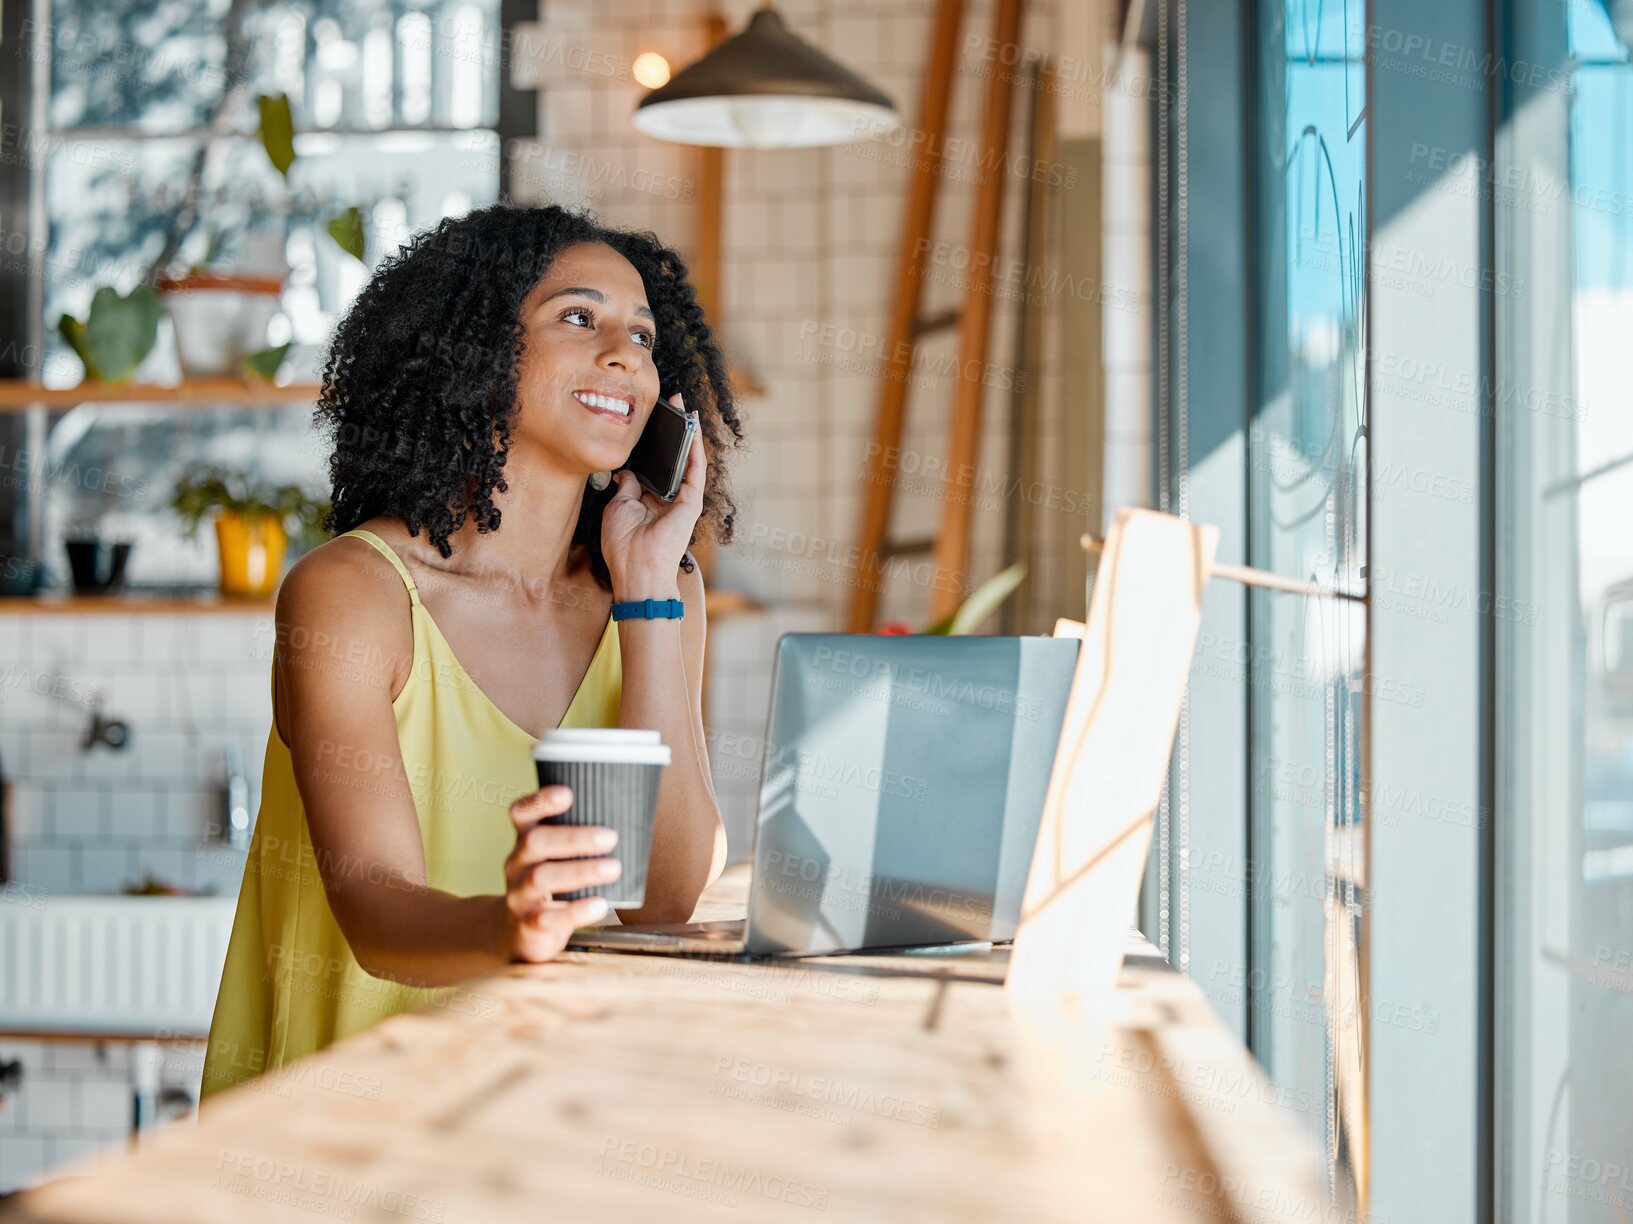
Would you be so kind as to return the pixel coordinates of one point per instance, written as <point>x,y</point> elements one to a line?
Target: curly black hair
<point>419,393</point>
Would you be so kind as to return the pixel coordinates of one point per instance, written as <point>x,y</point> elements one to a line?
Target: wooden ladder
<point>951,545</point>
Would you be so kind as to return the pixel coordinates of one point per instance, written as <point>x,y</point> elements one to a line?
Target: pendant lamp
<point>766,88</point>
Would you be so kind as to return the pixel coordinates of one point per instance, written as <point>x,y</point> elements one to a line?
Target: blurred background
<point>1350,279</point>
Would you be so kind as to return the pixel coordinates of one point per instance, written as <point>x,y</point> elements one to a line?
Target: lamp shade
<point>766,88</point>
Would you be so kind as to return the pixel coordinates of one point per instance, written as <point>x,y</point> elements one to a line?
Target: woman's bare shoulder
<point>345,590</point>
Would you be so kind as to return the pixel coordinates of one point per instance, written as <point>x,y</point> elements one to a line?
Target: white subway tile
<point>214,746</point>
<point>103,766</point>
<point>203,804</point>
<point>182,1065</point>
<point>138,697</point>
<point>133,813</point>
<point>47,1101</point>
<point>106,1142</point>
<point>104,1101</point>
<point>167,641</point>
<point>22,1159</point>
<point>112,639</point>
<point>166,756</point>
<point>260,635</point>
<point>254,746</point>
<point>77,1056</point>
<point>14,638</point>
<point>114,1058</point>
<point>75,813</point>
<point>220,639</point>
<point>26,812</point>
<point>71,1149</point>
<point>198,698</point>
<point>57,642</point>
<point>857,41</point>
<point>220,868</point>
<point>1128,280</point>
<point>110,769</point>
<point>47,868</point>
<point>106,869</point>
<point>48,755</point>
<point>169,864</point>
<point>29,695</point>
<point>184,814</point>
<point>246,697</point>
<point>564,18</point>
<point>802,225</point>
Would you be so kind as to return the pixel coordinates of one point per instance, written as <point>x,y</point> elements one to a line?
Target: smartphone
<point>659,457</point>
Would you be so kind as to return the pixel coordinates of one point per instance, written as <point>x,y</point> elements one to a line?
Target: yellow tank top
<point>291,985</point>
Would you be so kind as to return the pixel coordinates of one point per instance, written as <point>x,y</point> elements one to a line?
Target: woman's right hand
<point>537,925</point>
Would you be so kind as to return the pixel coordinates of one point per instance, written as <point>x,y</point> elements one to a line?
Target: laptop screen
<point>902,787</point>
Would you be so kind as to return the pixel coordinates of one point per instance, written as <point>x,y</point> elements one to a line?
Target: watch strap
<point>648,609</point>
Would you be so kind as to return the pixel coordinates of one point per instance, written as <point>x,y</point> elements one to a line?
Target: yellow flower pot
<point>251,551</point>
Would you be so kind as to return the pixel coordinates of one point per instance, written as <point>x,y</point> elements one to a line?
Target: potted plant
<point>221,323</point>
<point>982,603</point>
<point>117,333</point>
<point>221,317</point>
<point>253,523</point>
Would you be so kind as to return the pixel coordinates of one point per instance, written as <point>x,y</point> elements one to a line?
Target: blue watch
<point>645,609</point>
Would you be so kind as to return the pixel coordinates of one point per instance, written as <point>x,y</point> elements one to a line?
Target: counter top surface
<point>618,1086</point>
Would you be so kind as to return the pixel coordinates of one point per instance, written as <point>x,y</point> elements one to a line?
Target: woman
<point>480,389</point>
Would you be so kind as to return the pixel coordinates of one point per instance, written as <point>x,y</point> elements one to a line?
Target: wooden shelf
<point>166,1037</point>
<point>729,603</point>
<point>16,395</point>
<point>59,604</point>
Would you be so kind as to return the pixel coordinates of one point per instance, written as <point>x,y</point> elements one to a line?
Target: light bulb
<point>766,122</point>
<point>650,69</point>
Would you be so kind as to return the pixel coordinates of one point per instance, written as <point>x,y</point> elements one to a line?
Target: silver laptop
<point>901,790</point>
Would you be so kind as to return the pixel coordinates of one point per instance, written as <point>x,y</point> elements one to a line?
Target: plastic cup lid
<point>611,745</point>
<point>599,735</point>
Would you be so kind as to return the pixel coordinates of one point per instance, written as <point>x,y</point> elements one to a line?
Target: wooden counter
<point>623,1087</point>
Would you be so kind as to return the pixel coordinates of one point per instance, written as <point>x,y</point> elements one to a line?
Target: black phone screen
<point>658,459</point>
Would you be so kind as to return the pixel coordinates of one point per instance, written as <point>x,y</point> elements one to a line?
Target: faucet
<point>114,732</point>
<point>234,826</point>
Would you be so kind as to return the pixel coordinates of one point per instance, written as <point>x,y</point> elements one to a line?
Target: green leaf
<point>264,365</point>
<point>212,249</point>
<point>117,334</point>
<point>204,490</point>
<point>277,131</point>
<point>347,231</point>
<point>73,331</point>
<point>982,603</point>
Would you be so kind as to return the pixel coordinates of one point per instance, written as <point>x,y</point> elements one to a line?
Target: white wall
<point>189,687</point>
<point>810,240</point>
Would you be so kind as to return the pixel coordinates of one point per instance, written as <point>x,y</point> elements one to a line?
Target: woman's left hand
<point>643,537</point>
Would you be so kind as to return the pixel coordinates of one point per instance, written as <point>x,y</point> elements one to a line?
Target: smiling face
<point>587,383</point>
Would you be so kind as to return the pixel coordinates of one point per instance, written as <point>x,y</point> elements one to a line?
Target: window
<point>151,158</point>
<point>1564,215</point>
<point>1306,495</point>
<point>1258,885</point>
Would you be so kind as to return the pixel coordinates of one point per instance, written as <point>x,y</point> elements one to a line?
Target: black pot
<point>98,565</point>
